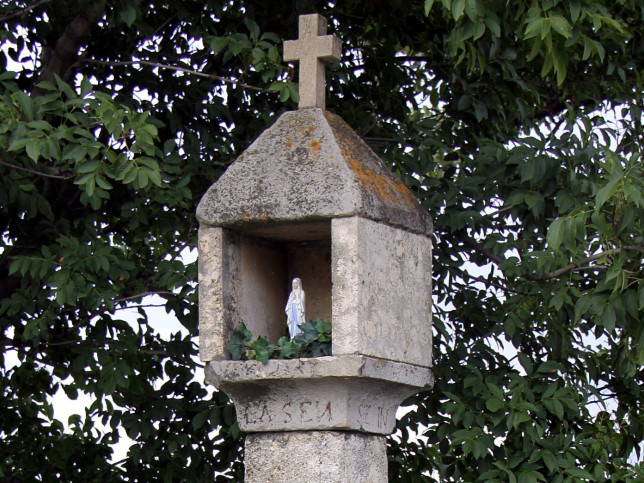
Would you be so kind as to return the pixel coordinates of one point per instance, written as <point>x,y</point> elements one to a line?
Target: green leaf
<point>103,183</point>
<point>428,6</point>
<point>526,363</point>
<point>458,7</point>
<point>65,87</point>
<point>574,10</point>
<point>285,93</point>
<point>217,44</point>
<point>33,148</point>
<point>549,367</point>
<point>240,337</point>
<point>17,144</point>
<point>155,177</point>
<point>471,9</point>
<point>253,28</point>
<point>480,110</point>
<point>492,22</point>
<point>263,349</point>
<point>561,26</point>
<point>271,37</point>
<point>534,27</point>
<point>555,233</point>
<point>128,15</point>
<point>90,184</point>
<point>200,418</point>
<point>549,460</point>
<point>464,103</point>
<point>90,166</point>
<point>494,404</point>
<point>607,191</point>
<point>608,318</point>
<point>579,473</point>
<point>142,178</point>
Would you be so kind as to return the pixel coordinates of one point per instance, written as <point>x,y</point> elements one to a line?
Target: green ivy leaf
<point>240,338</point>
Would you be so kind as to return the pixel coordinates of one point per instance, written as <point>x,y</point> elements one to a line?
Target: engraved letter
<point>303,411</point>
<point>290,418</point>
<point>265,413</point>
<point>382,417</point>
<point>246,418</point>
<point>327,409</point>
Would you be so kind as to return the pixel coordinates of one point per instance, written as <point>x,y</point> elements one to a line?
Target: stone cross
<point>312,49</point>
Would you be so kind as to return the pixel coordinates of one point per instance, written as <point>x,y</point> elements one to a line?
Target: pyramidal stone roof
<point>310,166</point>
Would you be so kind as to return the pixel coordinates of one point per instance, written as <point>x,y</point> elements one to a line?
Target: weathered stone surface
<point>381,291</point>
<point>344,392</point>
<point>315,456</point>
<point>310,166</point>
<point>212,324</point>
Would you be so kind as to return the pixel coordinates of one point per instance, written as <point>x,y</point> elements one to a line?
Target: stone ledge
<point>350,392</point>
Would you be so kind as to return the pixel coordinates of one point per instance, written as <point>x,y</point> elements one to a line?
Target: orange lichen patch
<point>263,217</point>
<point>311,128</point>
<point>316,145</point>
<point>387,189</point>
<point>246,218</point>
<point>371,176</point>
<point>288,145</point>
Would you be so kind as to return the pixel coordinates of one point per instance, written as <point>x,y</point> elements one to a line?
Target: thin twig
<point>501,287</point>
<point>175,68</point>
<point>584,261</point>
<point>24,11</point>
<point>499,210</point>
<point>139,307</point>
<point>39,173</point>
<point>499,259</point>
<point>143,294</point>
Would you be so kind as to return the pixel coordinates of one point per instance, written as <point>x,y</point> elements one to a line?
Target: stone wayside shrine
<point>309,199</point>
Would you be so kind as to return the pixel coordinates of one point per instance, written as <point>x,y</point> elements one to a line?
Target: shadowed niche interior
<point>263,261</point>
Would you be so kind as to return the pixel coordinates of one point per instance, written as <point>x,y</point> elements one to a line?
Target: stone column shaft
<point>315,457</point>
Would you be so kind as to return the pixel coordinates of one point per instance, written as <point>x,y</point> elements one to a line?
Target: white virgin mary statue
<point>295,308</point>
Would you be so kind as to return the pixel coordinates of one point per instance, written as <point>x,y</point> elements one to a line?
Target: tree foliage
<point>518,126</point>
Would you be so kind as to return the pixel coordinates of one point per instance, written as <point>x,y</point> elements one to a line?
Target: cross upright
<point>312,49</point>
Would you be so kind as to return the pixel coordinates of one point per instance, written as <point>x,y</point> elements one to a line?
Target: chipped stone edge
<point>344,366</point>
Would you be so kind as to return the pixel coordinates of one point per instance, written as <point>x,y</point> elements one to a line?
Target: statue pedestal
<point>320,419</point>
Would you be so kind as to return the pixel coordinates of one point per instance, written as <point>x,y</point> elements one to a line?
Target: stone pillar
<point>309,199</point>
<point>315,456</point>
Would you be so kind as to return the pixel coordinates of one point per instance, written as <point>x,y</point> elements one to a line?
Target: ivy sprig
<point>314,340</point>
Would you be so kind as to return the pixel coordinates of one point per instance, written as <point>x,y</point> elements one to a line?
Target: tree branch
<point>144,294</point>
<point>24,11</point>
<point>175,68</point>
<point>65,53</point>
<point>499,259</point>
<point>581,264</point>
<point>584,261</point>
<point>39,173</point>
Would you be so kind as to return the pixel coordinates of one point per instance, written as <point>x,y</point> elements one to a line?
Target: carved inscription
<point>312,413</point>
<point>369,412</point>
<point>289,412</point>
